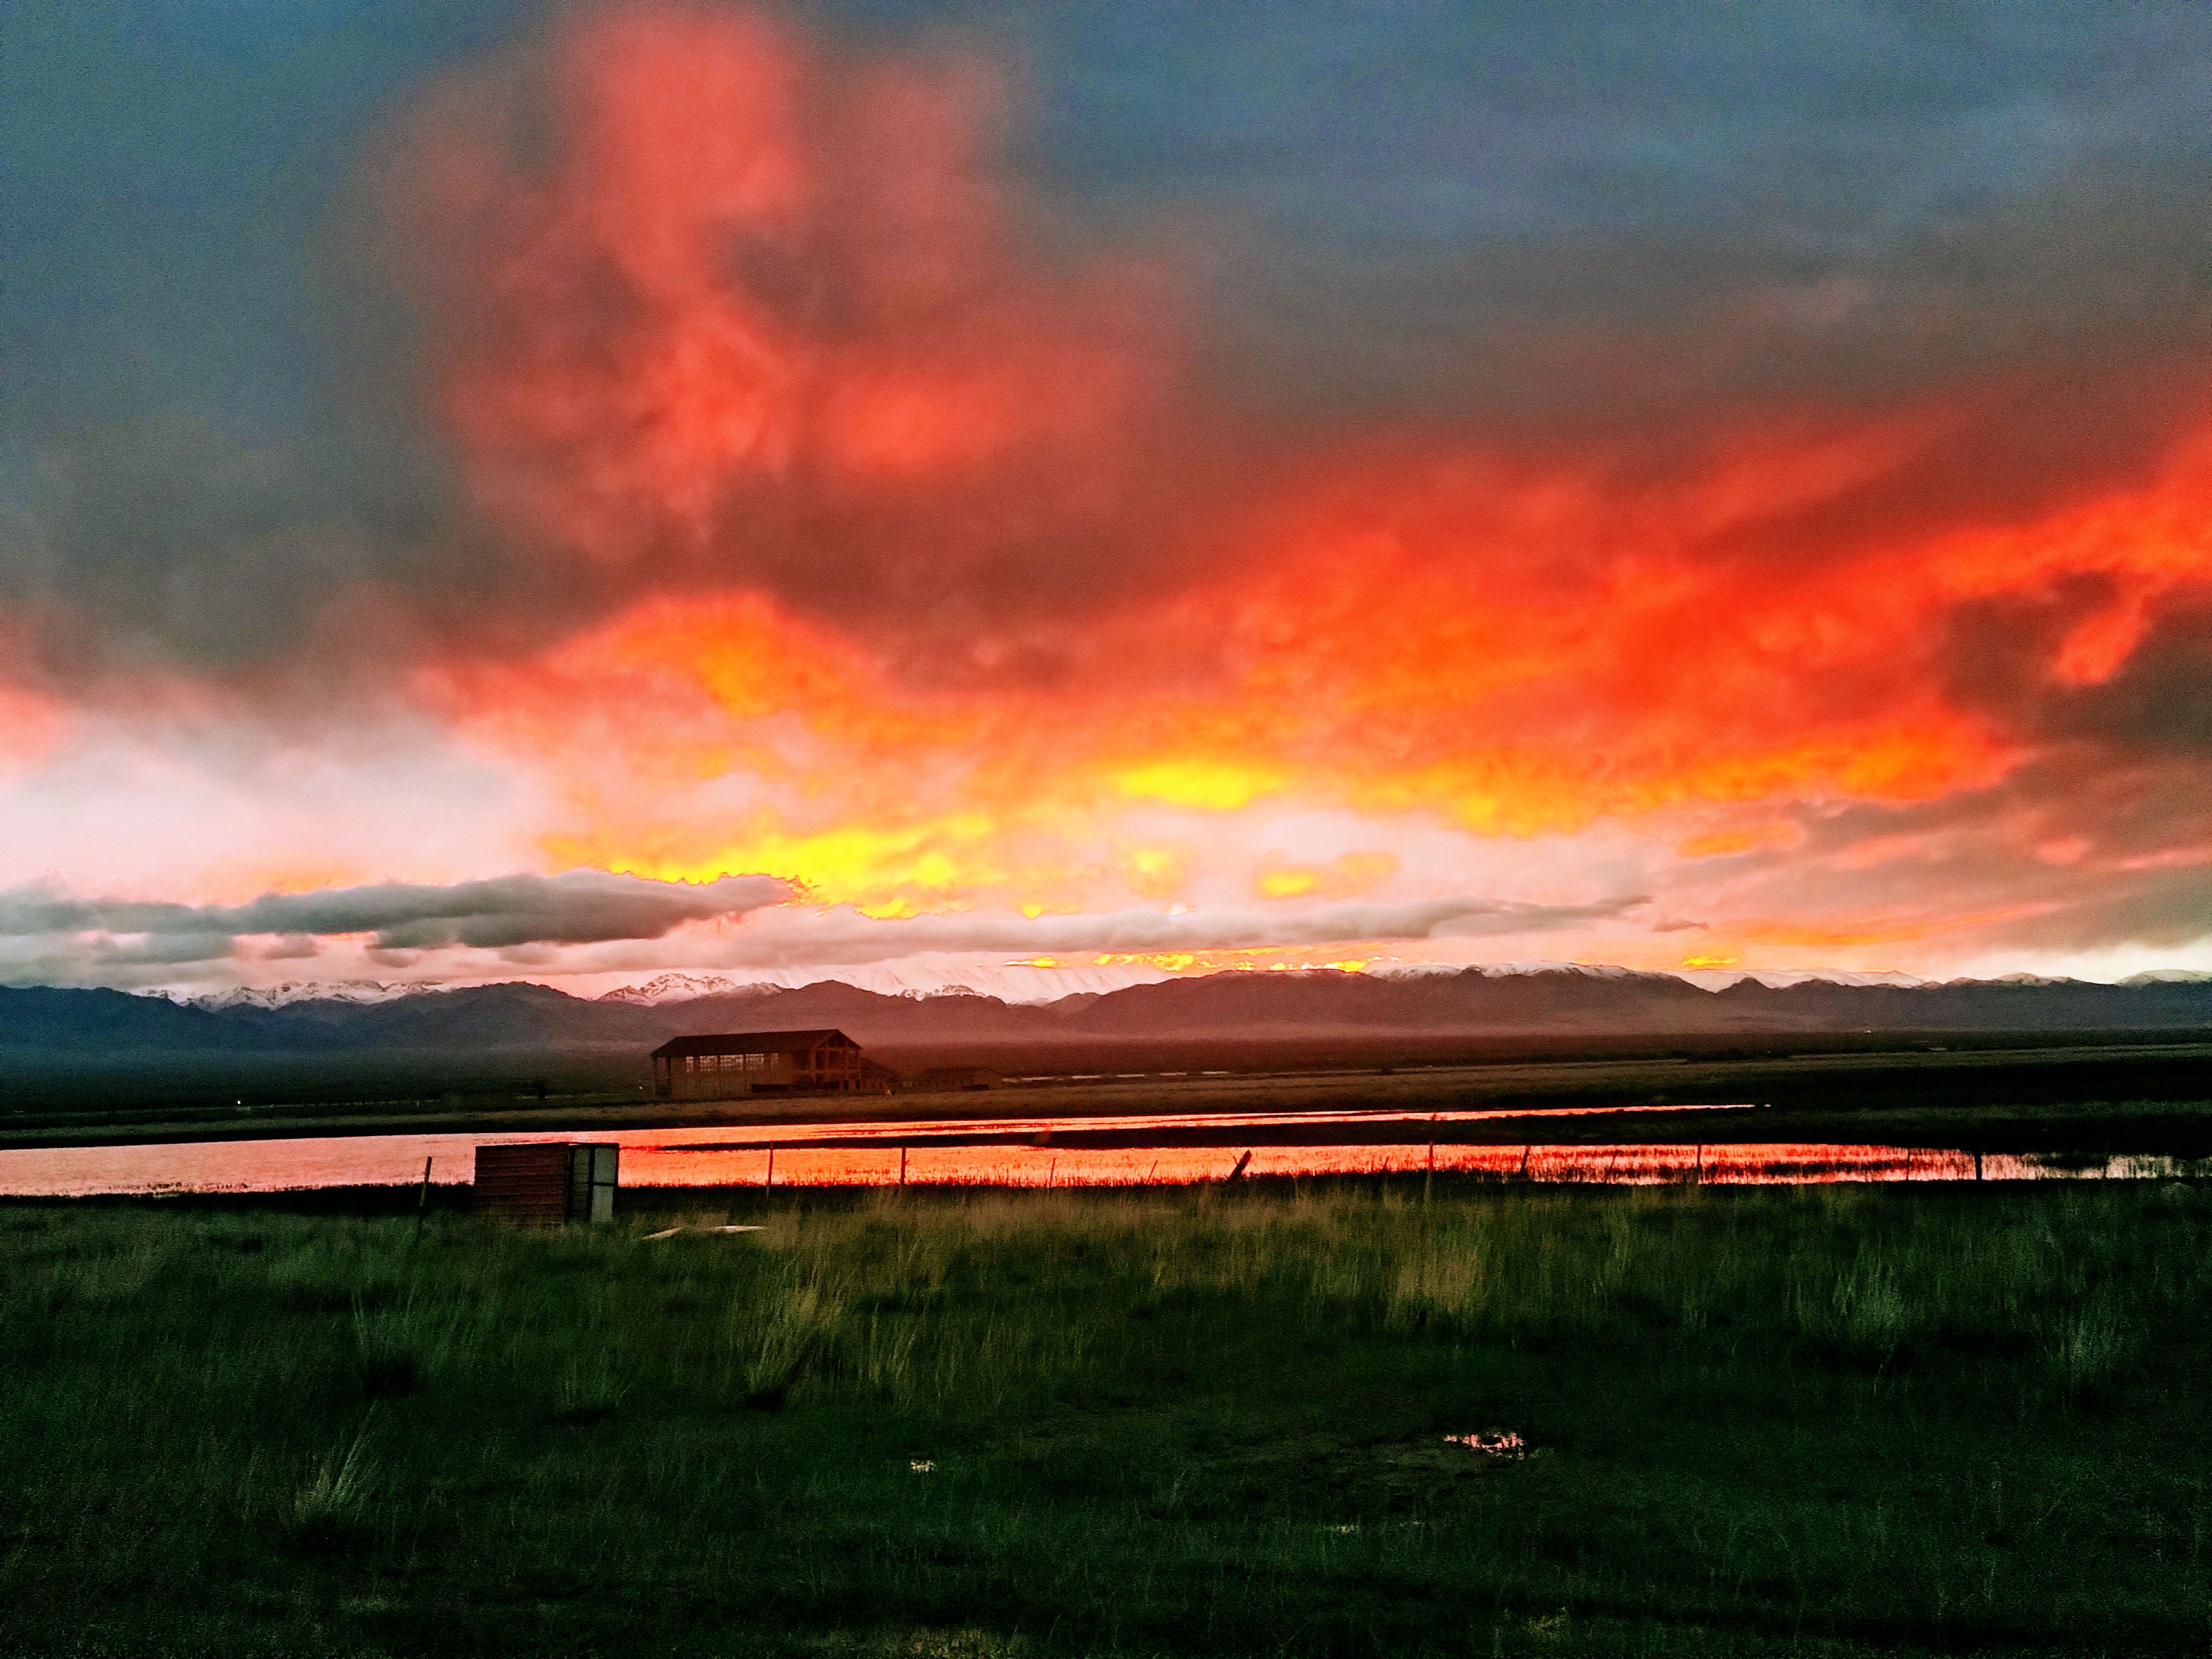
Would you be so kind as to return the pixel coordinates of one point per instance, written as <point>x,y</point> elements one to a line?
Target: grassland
<point>1835,1421</point>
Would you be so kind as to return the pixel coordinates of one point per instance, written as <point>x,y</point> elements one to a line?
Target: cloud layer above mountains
<point>524,921</point>
<point>75,936</point>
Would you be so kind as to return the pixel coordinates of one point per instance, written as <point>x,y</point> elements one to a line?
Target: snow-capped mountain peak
<point>302,990</point>
<point>683,987</point>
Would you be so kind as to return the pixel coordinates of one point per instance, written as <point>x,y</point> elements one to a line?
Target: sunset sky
<point>1039,496</point>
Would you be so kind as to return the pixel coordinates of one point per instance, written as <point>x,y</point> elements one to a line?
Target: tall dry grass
<point>1199,1421</point>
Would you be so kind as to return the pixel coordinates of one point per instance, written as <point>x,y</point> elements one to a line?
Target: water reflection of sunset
<point>1023,1154</point>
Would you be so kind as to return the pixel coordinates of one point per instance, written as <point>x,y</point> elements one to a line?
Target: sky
<point>1045,496</point>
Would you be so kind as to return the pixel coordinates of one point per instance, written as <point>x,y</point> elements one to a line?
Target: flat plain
<point>1826,1420</point>
<point>2147,1093</point>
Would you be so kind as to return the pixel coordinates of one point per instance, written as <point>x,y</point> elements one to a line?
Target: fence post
<point>902,1166</point>
<point>771,1166</point>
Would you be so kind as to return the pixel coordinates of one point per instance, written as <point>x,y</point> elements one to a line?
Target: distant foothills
<point>1245,1007</point>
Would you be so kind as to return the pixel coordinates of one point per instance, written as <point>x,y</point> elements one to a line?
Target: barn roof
<point>753,1043</point>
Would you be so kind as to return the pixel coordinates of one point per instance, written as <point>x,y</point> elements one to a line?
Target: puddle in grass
<point>1503,1447</point>
<point>1040,1151</point>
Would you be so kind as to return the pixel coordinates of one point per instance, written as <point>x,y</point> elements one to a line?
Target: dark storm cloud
<point>582,906</point>
<point>2155,707</point>
<point>2159,702</point>
<point>1435,185</point>
<point>1627,216</point>
<point>2094,288</point>
<point>200,451</point>
<point>170,540</point>
<point>1444,123</point>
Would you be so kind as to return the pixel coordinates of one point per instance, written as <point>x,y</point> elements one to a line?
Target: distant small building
<point>737,1063</point>
<point>548,1181</point>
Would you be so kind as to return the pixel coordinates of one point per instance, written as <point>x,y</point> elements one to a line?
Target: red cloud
<point>920,561</point>
<point>711,308</point>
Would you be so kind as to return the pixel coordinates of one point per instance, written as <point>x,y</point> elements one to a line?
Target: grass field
<point>1823,1421</point>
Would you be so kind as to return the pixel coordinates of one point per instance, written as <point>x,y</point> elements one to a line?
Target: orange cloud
<point>1506,701</point>
<point>1743,838</point>
<point>1155,871</point>
<point>1346,877</point>
<point>753,315</point>
<point>1885,927</point>
<point>918,599</point>
<point>31,724</point>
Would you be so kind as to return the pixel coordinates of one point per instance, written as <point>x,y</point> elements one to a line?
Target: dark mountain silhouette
<point>1615,1002</point>
<point>1287,1003</point>
<point>53,1024</point>
<point>868,1016</point>
<point>490,1017</point>
<point>41,1019</point>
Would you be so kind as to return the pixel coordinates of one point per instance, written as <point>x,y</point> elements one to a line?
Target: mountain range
<point>1246,1006</point>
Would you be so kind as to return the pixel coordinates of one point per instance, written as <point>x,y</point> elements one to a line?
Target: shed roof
<point>754,1042</point>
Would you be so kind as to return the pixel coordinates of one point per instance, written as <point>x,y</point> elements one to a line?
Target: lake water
<point>1048,1152</point>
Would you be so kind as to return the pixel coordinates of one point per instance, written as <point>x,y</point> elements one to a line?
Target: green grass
<point>1832,1420</point>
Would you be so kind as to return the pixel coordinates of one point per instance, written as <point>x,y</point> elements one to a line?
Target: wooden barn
<point>736,1063</point>
<point>548,1181</point>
